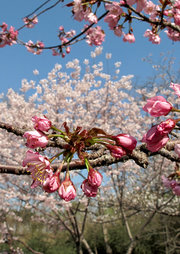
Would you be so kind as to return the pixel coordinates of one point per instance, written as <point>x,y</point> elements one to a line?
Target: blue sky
<point>17,63</point>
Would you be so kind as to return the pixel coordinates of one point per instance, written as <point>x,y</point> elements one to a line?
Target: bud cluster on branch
<point>78,141</point>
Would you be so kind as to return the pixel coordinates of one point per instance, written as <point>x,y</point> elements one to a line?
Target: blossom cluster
<point>7,37</point>
<point>40,167</point>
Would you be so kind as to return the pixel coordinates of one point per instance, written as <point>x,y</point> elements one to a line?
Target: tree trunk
<point>78,247</point>
<point>88,248</point>
<point>106,239</point>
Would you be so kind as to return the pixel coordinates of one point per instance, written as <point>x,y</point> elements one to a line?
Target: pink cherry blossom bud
<point>157,106</point>
<point>52,182</point>
<point>61,28</point>
<point>166,127</point>
<point>126,141</point>
<point>116,151</point>
<point>94,177</point>
<point>89,190</point>
<point>68,50</point>
<point>67,191</point>
<point>177,149</point>
<point>41,123</point>
<point>118,31</point>
<point>157,136</point>
<point>35,139</point>
<point>38,166</point>
<point>176,88</point>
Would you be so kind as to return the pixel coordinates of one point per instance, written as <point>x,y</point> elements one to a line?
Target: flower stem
<point>55,135</point>
<point>55,156</point>
<point>56,129</point>
<point>175,110</point>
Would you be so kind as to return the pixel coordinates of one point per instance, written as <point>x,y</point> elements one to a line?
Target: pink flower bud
<point>157,136</point>
<point>41,123</point>
<point>52,182</point>
<point>116,151</point>
<point>94,178</point>
<point>67,191</point>
<point>166,127</point>
<point>157,106</point>
<point>35,139</point>
<point>126,141</point>
<point>89,190</point>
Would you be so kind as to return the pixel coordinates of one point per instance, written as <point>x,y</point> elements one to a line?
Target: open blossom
<point>35,48</point>
<point>52,182</point>
<point>157,136</point>
<point>95,36</point>
<point>127,142</point>
<point>141,4</point>
<point>67,191</point>
<point>30,22</point>
<point>176,88</point>
<point>153,37</point>
<point>91,18</point>
<point>38,166</point>
<point>41,123</point>
<point>173,184</point>
<point>35,139</point>
<point>128,38</point>
<point>172,34</point>
<point>89,190</point>
<point>157,106</point>
<point>94,177</point>
<point>151,9</point>
<point>78,10</point>
<point>113,15</point>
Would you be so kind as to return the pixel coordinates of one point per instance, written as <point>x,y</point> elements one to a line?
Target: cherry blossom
<point>67,191</point>
<point>52,182</point>
<point>95,36</point>
<point>30,22</point>
<point>35,139</point>
<point>157,136</point>
<point>38,166</point>
<point>126,141</point>
<point>41,123</point>
<point>128,37</point>
<point>157,106</point>
<point>153,37</point>
<point>36,48</point>
<point>94,177</point>
<point>89,190</point>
